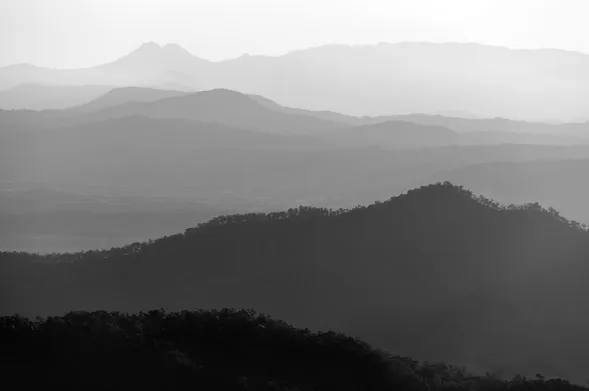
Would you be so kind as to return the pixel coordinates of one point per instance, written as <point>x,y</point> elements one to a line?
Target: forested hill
<point>436,273</point>
<point>224,350</point>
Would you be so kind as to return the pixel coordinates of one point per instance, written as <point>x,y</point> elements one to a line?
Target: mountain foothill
<point>197,223</point>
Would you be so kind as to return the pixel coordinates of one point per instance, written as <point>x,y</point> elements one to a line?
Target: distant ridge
<point>227,107</point>
<point>124,95</point>
<point>375,80</point>
<point>33,96</point>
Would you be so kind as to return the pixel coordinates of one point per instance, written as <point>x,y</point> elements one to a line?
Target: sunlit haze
<point>80,33</point>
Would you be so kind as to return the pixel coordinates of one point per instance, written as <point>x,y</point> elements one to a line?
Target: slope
<point>226,107</point>
<point>434,273</point>
<point>383,79</point>
<point>561,184</point>
<point>123,95</point>
<point>397,135</point>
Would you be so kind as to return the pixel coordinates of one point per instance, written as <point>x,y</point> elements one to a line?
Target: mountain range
<point>360,80</point>
<point>417,274</point>
<point>162,180</point>
<point>243,153</point>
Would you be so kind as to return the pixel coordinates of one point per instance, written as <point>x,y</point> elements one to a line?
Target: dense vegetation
<point>217,350</point>
<point>436,273</point>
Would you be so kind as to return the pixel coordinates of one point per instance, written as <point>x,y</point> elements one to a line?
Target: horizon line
<point>175,44</point>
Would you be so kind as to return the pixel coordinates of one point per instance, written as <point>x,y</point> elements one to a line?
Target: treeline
<point>436,273</point>
<point>301,213</point>
<point>217,350</point>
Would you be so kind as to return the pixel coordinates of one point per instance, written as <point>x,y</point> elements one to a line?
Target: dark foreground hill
<point>435,273</point>
<point>559,183</point>
<point>217,350</point>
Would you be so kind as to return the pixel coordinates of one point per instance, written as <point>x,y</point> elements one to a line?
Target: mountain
<point>149,65</point>
<point>124,95</point>
<point>325,115</point>
<point>362,80</point>
<point>404,135</point>
<point>45,97</point>
<point>152,59</point>
<point>489,130</point>
<point>494,137</point>
<point>420,77</point>
<point>221,350</point>
<point>226,107</point>
<point>137,155</point>
<point>417,274</point>
<point>557,183</point>
<point>498,126</point>
<point>45,220</point>
<point>259,113</point>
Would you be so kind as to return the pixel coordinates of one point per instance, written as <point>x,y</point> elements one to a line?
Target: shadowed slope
<point>435,273</point>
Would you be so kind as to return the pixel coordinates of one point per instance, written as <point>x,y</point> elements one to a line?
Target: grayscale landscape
<point>391,213</point>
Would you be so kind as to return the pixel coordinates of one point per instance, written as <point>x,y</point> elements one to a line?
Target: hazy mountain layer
<point>373,80</point>
<point>44,97</point>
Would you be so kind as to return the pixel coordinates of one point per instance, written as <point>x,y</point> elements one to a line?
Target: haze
<point>410,174</point>
<point>83,33</point>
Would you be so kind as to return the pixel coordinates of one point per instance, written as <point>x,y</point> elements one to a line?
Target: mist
<point>293,195</point>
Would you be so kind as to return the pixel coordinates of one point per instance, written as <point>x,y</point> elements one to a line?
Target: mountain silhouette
<point>151,57</point>
<point>124,95</point>
<point>223,106</point>
<point>417,274</point>
<point>557,183</point>
<point>325,115</point>
<point>362,80</point>
<point>498,126</point>
<point>403,135</point>
<point>134,152</point>
<point>259,113</point>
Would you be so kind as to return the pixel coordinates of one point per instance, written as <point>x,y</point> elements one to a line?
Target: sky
<point>82,33</point>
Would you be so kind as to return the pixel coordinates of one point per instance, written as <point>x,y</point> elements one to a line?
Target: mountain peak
<point>153,57</point>
<point>148,47</point>
<point>153,48</point>
<point>174,47</point>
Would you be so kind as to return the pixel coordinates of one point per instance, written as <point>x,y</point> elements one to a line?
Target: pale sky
<point>79,33</point>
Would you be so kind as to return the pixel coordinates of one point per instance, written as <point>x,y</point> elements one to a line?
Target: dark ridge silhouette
<point>219,350</point>
<point>436,273</point>
<point>556,183</point>
<point>121,96</point>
